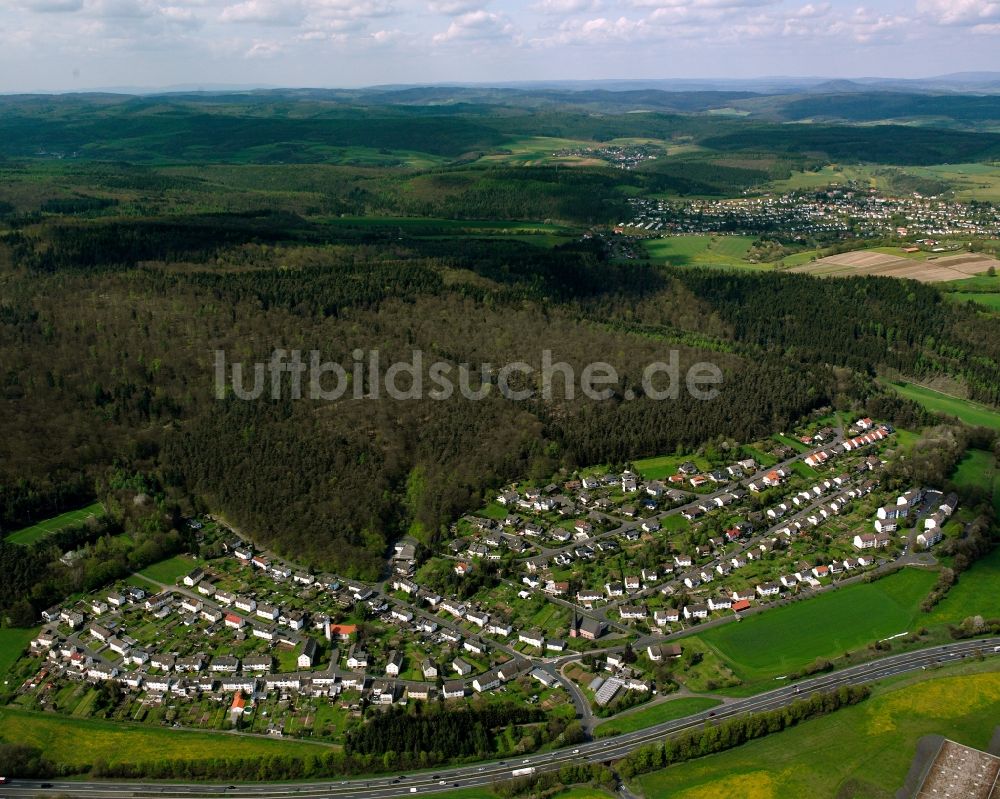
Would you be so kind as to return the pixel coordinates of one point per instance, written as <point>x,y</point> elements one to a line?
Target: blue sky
<point>83,44</point>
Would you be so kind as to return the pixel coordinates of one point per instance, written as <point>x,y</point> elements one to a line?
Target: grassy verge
<point>655,714</point>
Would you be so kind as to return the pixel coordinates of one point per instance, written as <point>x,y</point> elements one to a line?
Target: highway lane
<point>484,774</point>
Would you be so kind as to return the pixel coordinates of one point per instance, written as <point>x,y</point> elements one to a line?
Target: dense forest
<point>109,328</point>
<point>445,733</point>
<point>121,279</point>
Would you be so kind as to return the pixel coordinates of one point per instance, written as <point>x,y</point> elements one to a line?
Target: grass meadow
<point>81,742</point>
<point>975,593</point>
<point>167,571</point>
<point>986,299</point>
<point>968,411</point>
<point>13,640</point>
<point>701,250</point>
<point>767,645</point>
<point>978,469</point>
<point>663,466</point>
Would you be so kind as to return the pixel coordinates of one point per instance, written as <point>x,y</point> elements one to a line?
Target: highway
<point>483,774</point>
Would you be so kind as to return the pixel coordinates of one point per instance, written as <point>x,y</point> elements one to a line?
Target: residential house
<point>453,689</point>
<point>394,663</point>
<point>307,657</point>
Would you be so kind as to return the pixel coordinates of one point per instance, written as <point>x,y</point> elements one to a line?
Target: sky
<point>77,45</point>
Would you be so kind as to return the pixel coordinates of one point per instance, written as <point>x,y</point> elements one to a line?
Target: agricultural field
<point>539,150</point>
<point>886,264</point>
<point>861,751</point>
<point>80,742</point>
<point>787,638</point>
<point>701,250</point>
<point>968,411</point>
<point>29,535</point>
<point>648,715</point>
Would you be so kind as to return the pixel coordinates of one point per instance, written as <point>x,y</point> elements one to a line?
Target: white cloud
<point>264,12</point>
<point>264,49</point>
<point>454,8</point>
<point>386,36</point>
<point>349,9</point>
<point>476,25</point>
<point>599,30</point>
<point>566,6</point>
<point>959,12</point>
<point>703,5</point>
<point>811,11</point>
<point>53,6</point>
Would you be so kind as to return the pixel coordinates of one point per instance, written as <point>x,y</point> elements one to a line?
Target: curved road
<point>485,774</point>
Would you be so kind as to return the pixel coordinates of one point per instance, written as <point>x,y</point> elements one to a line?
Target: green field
<point>701,250</point>
<point>13,640</point>
<point>494,511</point>
<point>665,465</point>
<point>784,639</point>
<point>978,469</point>
<point>860,752</point>
<point>788,441</point>
<point>655,714</point>
<point>828,175</point>
<point>804,470</point>
<point>80,742</point>
<point>579,792</point>
<point>975,593</point>
<point>986,299</point>
<point>29,535</point>
<point>167,571</point>
<point>970,181</point>
<point>969,412</point>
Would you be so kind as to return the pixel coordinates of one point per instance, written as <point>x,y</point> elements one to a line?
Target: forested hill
<point>139,235</point>
<point>287,128</point>
<point>107,330</point>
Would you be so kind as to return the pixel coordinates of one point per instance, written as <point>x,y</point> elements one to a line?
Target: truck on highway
<point>524,772</point>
